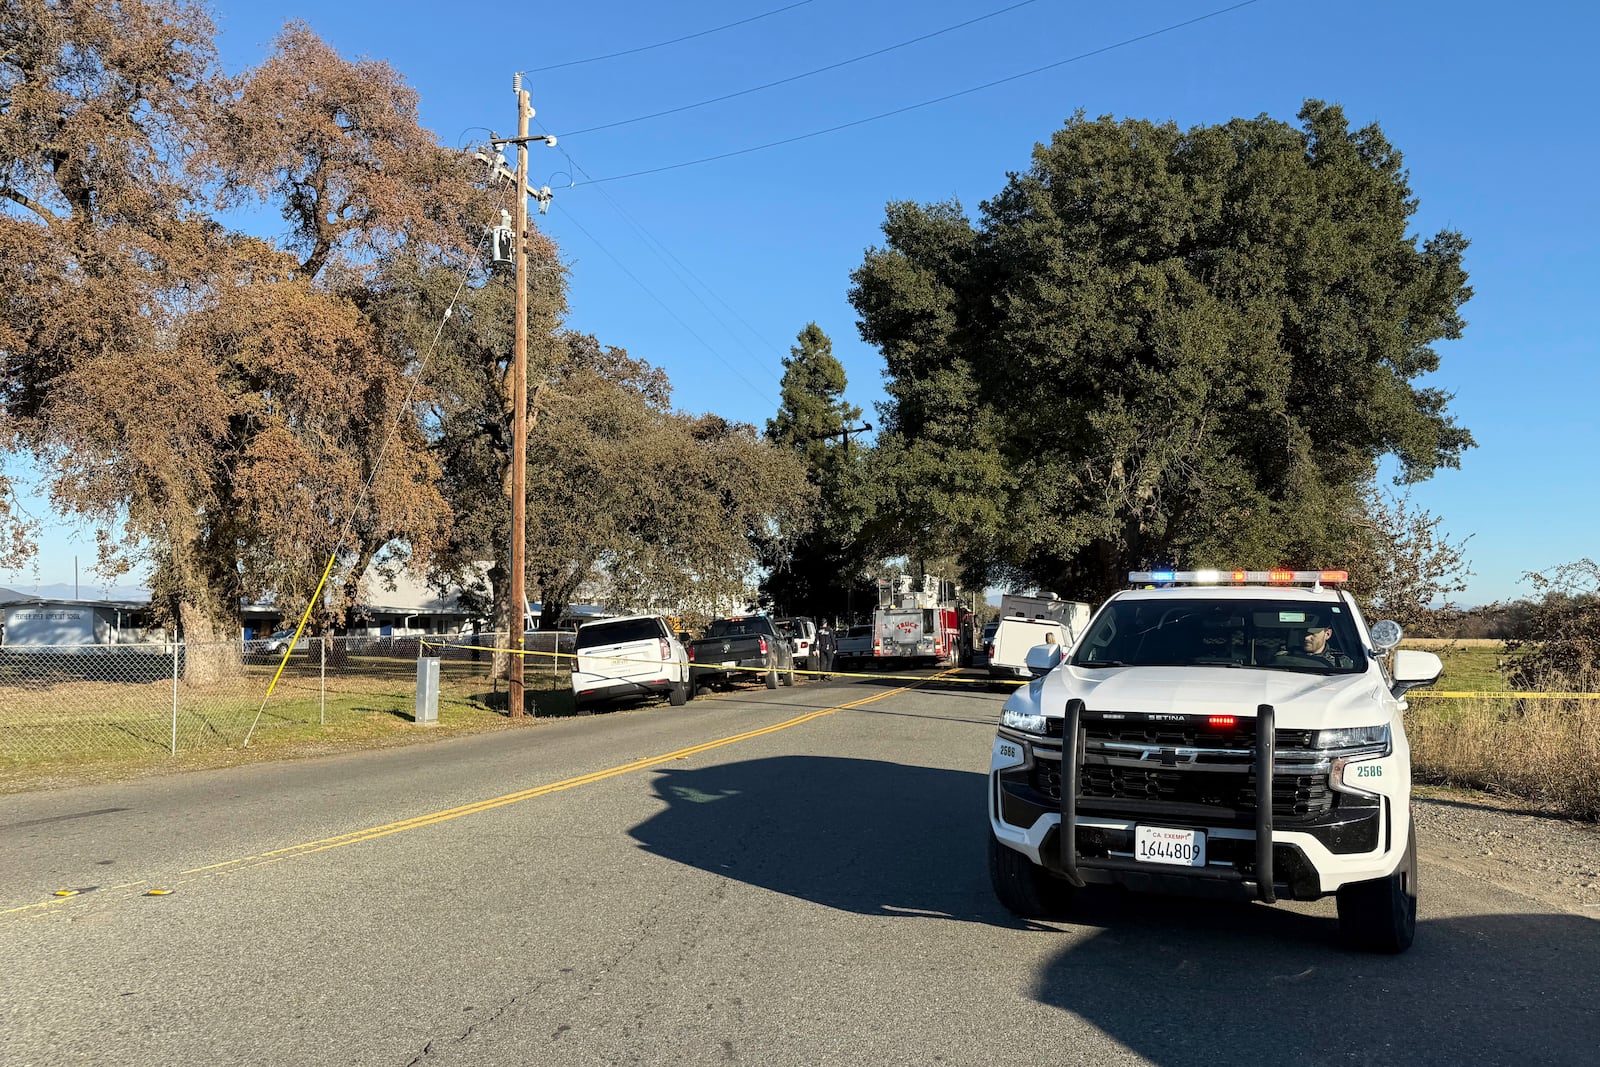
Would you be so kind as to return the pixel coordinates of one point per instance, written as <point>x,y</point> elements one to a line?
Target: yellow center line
<point>433,818</point>
<point>642,763</point>
<point>61,900</point>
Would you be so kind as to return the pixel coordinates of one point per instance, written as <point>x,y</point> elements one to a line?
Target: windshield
<point>1291,635</point>
<point>596,634</point>
<point>739,627</point>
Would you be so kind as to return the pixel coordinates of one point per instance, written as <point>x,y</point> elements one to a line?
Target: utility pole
<point>845,433</point>
<point>519,403</point>
<point>519,400</point>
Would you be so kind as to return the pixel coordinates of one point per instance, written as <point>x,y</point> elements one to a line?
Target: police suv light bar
<point>1274,577</point>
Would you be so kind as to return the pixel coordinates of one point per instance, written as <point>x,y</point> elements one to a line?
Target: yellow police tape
<point>1433,694</point>
<point>720,668</point>
<point>1501,695</point>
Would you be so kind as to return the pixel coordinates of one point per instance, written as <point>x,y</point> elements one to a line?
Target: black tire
<point>788,678</point>
<point>678,695</point>
<point>1381,915</point>
<point>1026,889</point>
<point>772,678</point>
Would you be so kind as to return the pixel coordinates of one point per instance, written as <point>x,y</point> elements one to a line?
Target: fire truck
<point>917,622</point>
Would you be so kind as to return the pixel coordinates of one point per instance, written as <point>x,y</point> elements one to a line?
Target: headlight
<point>1348,740</point>
<point>1024,721</point>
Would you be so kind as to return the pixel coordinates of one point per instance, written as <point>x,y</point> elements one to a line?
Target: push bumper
<point>1038,807</point>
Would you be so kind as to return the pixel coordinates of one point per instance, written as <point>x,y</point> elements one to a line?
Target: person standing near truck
<point>826,648</point>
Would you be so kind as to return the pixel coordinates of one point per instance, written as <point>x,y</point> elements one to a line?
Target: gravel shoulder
<point>1506,843</point>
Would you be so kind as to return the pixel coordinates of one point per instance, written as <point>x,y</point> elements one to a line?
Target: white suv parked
<point>637,655</point>
<point>1137,759</point>
<point>802,635</point>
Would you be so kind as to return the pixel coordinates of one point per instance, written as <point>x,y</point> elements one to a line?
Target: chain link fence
<point>73,704</point>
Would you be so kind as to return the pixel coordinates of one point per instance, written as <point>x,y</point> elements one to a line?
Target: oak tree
<point>222,396</point>
<point>1163,346</point>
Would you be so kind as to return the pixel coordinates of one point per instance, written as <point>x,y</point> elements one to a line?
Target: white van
<point>637,655</point>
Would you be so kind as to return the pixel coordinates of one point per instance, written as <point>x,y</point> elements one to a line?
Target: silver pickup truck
<point>855,647</point>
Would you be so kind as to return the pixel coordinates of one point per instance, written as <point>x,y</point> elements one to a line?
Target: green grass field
<point>56,728</point>
<point>1467,668</point>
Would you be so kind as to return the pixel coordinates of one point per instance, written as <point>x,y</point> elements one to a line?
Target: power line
<point>926,103</point>
<point>664,253</point>
<point>667,308</point>
<point>799,77</point>
<point>675,40</point>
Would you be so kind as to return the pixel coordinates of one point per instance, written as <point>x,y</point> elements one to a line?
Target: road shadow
<point>1183,981</point>
<point>1176,980</point>
<point>865,836</point>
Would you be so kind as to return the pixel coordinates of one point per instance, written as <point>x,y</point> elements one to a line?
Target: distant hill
<point>85,591</point>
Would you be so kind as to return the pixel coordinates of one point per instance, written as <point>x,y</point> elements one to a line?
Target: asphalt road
<point>751,879</point>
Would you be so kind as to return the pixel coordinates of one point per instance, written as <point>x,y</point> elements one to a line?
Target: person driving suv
<point>1310,649</point>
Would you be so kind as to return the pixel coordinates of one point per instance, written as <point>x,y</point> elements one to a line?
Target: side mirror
<point>1414,669</point>
<point>1385,635</point>
<point>1042,659</point>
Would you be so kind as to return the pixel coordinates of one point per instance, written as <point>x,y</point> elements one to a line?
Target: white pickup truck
<point>1063,620</point>
<point>1139,758</point>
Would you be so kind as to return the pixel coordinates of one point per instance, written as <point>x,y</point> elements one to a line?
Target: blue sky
<point>711,270</point>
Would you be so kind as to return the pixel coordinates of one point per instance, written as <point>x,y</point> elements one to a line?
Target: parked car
<point>742,647</point>
<point>1243,739</point>
<point>802,634</point>
<point>634,656</point>
<point>985,650</point>
<point>279,640</point>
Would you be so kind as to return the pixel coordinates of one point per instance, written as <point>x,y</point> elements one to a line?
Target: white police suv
<point>1139,756</point>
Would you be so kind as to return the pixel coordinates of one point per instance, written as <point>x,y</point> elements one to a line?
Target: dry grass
<point>1433,644</point>
<point>1547,751</point>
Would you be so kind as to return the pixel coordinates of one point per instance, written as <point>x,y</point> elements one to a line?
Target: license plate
<point>730,663</point>
<point>1160,844</point>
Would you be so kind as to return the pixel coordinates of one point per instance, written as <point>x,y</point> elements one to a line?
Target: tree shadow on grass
<point>540,702</point>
